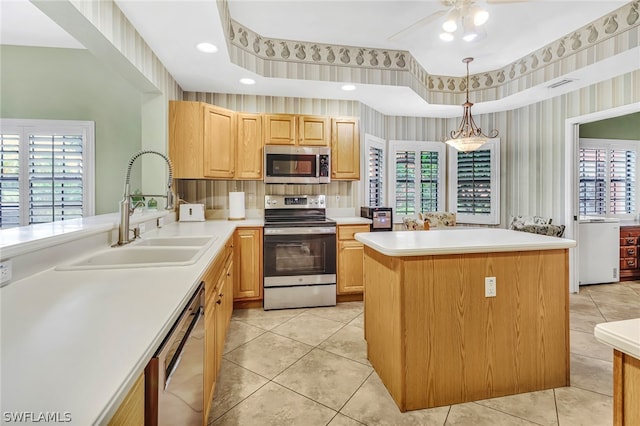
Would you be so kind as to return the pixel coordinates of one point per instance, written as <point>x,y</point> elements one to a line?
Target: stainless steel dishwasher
<point>174,377</point>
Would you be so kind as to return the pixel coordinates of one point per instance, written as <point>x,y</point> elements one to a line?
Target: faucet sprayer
<point>125,203</point>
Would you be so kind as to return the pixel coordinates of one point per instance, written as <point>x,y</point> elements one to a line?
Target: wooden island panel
<point>435,339</point>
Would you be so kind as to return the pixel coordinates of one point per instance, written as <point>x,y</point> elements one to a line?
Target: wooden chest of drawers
<point>629,240</point>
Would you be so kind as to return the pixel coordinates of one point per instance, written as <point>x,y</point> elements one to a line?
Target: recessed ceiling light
<point>348,87</point>
<point>247,81</point>
<point>206,47</point>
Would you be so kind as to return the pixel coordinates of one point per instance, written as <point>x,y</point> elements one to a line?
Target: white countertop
<point>458,240</point>
<point>351,220</point>
<point>75,341</point>
<point>621,335</point>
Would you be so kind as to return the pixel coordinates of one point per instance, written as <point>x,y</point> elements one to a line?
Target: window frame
<point>492,218</point>
<point>371,141</point>
<point>609,145</point>
<point>24,127</point>
<point>416,146</point>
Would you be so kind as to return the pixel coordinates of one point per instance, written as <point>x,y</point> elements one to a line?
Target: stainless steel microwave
<point>292,164</point>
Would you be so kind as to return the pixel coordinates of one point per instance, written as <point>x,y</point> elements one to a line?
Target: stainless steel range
<point>299,252</point>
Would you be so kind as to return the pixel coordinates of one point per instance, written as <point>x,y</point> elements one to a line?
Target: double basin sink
<point>146,252</point>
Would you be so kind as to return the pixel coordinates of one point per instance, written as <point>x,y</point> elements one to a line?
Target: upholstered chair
<point>438,219</point>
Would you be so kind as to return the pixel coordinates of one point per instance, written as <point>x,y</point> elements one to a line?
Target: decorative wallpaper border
<point>367,65</point>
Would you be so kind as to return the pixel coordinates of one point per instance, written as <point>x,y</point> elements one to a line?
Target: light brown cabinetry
<point>350,259</point>
<point>248,264</point>
<point>345,148</point>
<point>131,410</point>
<point>249,152</point>
<point>279,129</point>
<point>219,142</point>
<point>313,130</point>
<point>629,247</point>
<point>218,307</point>
<point>626,389</point>
<point>206,141</point>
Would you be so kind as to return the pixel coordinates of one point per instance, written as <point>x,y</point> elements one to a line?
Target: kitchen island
<point>624,338</point>
<point>435,338</point>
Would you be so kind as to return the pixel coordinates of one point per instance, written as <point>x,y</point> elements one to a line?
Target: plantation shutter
<point>474,182</point>
<point>592,175</point>
<point>622,178</point>
<point>375,163</point>
<point>405,190</point>
<point>55,177</point>
<point>9,180</point>
<point>429,184</point>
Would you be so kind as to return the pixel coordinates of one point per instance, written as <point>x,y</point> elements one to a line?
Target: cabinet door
<point>219,142</point>
<point>210,355</point>
<point>227,297</point>
<point>345,149</point>
<point>220,323</point>
<point>249,147</point>
<point>279,129</point>
<point>248,264</point>
<point>185,139</point>
<point>350,267</point>
<point>131,410</point>
<point>313,130</point>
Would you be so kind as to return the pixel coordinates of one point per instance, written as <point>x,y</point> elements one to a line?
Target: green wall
<point>625,127</point>
<point>71,84</point>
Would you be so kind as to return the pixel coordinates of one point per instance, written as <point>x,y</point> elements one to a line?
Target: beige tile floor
<point>309,367</point>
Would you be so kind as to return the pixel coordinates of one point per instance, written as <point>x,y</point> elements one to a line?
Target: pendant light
<point>468,136</point>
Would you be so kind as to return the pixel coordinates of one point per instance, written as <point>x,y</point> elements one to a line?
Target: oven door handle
<point>300,231</point>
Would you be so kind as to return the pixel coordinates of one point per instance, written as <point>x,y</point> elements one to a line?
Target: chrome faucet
<point>125,205</point>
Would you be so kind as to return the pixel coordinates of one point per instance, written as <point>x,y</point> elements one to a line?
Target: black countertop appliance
<point>382,217</point>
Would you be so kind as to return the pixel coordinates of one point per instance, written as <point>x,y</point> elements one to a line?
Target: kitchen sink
<point>194,241</point>
<point>137,257</point>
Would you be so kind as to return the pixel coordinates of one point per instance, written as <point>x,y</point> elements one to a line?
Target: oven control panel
<point>294,201</point>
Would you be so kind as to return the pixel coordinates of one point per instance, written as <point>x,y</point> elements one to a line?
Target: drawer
<point>629,263</point>
<point>346,232</point>
<point>628,251</point>
<point>628,241</point>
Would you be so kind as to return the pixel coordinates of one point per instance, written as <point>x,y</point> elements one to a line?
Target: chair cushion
<point>520,221</point>
<point>439,219</point>
<point>551,230</point>
<point>412,224</point>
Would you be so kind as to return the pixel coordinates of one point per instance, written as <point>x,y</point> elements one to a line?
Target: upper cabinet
<point>345,148</point>
<point>207,141</point>
<point>219,142</point>
<point>280,129</point>
<point>249,147</point>
<point>313,130</point>
<point>210,142</point>
<point>300,130</point>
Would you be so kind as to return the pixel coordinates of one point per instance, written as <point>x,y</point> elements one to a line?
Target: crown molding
<point>603,38</point>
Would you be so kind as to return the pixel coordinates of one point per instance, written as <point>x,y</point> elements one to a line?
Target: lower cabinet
<point>350,265</point>
<point>218,308</point>
<point>247,246</point>
<point>131,410</point>
<point>629,256</point>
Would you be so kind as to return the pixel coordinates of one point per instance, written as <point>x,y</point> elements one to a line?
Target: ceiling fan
<point>466,12</point>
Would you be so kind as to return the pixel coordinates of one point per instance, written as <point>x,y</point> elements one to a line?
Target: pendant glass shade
<point>468,136</point>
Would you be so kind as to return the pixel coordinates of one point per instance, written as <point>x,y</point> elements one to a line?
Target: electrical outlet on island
<point>490,287</point>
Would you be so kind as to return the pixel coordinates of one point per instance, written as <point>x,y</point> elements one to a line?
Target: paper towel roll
<point>236,205</point>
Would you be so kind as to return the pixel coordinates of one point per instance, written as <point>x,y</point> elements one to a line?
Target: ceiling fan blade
<point>419,23</point>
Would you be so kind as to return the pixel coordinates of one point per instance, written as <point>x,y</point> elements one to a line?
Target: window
<point>474,191</point>
<point>418,177</point>
<point>607,176</point>
<point>375,172</point>
<point>46,171</point>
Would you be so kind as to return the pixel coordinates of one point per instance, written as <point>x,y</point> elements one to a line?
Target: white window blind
<point>9,180</point>
<point>375,177</point>
<point>475,185</point>
<point>55,177</point>
<point>607,178</point>
<point>418,177</point>
<point>47,171</point>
